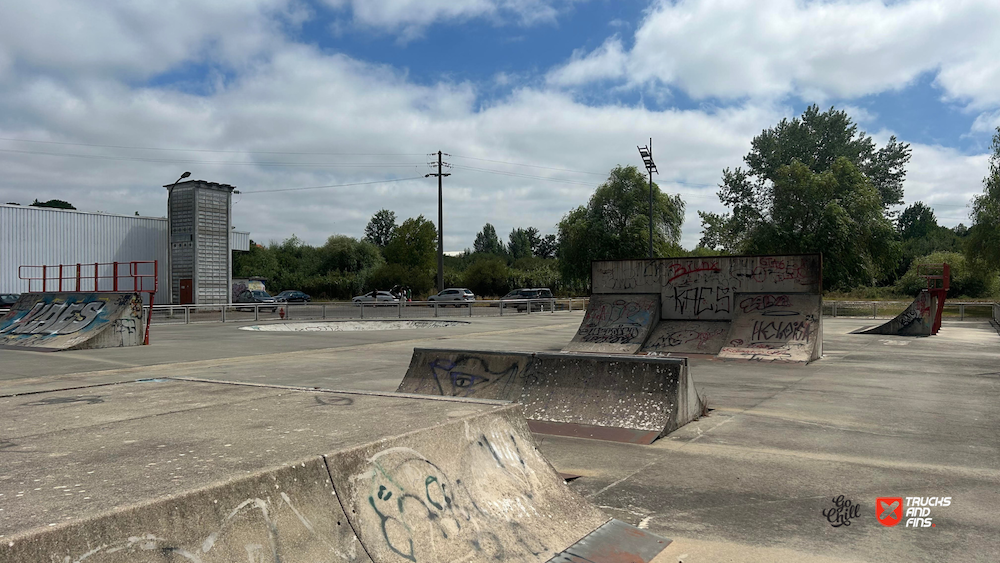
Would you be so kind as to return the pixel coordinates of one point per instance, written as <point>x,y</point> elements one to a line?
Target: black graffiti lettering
<point>782,331</point>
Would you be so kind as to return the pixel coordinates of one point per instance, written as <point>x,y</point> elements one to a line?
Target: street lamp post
<point>647,159</point>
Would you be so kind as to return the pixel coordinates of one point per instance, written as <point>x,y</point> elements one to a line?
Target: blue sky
<point>278,94</point>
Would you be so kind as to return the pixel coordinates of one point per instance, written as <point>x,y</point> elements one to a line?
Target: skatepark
<point>877,416</point>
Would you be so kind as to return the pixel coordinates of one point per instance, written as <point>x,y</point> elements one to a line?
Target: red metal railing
<point>140,276</point>
<point>938,284</point>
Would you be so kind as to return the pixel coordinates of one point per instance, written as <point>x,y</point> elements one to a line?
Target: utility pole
<point>440,175</point>
<point>647,159</point>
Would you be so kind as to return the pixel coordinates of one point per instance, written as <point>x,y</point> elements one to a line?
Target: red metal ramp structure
<point>78,306</point>
<point>633,399</point>
<point>700,298</point>
<point>234,472</point>
<point>923,316</point>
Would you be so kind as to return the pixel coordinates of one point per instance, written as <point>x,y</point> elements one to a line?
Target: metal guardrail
<point>332,310</point>
<point>889,309</point>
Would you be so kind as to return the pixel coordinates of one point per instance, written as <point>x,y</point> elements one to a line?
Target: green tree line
<point>811,184</point>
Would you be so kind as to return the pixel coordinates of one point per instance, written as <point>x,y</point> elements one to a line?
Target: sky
<point>533,102</point>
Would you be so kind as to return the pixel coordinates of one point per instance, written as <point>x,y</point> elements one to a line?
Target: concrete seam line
<point>73,388</point>
<point>625,478</point>
<point>148,416</point>
<point>336,493</point>
<point>341,392</point>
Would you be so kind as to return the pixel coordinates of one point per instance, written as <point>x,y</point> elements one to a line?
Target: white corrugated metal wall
<point>44,236</point>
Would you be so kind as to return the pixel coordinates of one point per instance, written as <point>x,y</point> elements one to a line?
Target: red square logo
<point>889,510</point>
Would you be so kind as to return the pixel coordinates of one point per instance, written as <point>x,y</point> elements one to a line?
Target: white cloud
<point>946,180</point>
<point>302,101</point>
<point>986,122</point>
<point>410,18</point>
<point>604,63</point>
<point>818,50</point>
<point>137,39</point>
<point>367,122</point>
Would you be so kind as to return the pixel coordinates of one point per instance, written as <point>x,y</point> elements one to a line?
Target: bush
<point>418,279</point>
<point>965,281</point>
<point>488,277</point>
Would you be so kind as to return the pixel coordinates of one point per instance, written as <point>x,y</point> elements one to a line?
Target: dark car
<point>530,293</point>
<point>8,299</point>
<point>292,296</point>
<point>256,296</point>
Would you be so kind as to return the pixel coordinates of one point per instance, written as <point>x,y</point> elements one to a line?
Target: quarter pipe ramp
<point>775,327</point>
<point>73,321</point>
<point>622,398</point>
<point>916,320</point>
<point>616,324</point>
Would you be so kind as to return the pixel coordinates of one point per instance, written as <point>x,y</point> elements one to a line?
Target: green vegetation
<point>813,184</point>
<point>983,246</point>
<point>54,203</point>
<point>615,224</point>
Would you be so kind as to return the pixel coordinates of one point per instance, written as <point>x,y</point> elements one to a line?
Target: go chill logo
<point>889,511</point>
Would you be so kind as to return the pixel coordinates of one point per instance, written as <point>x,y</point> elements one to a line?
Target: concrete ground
<point>878,416</point>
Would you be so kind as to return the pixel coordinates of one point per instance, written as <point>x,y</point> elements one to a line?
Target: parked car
<point>8,299</point>
<point>256,296</point>
<point>456,296</point>
<point>292,296</point>
<point>380,298</point>
<point>530,293</point>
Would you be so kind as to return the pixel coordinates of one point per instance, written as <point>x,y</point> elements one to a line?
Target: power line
<point>332,186</point>
<point>531,165</point>
<point>225,162</point>
<point>174,149</point>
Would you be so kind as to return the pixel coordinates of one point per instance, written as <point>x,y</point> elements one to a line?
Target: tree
<point>966,281</point>
<point>814,184</point>
<point>345,254</point>
<point>615,224</point>
<point>488,277</point>
<point>983,243</point>
<point>916,221</point>
<point>54,203</point>
<point>381,227</point>
<point>547,247</point>
<point>818,139</point>
<point>520,243</point>
<point>413,244</point>
<point>488,242</point>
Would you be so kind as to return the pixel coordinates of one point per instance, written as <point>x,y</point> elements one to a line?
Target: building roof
<point>201,184</point>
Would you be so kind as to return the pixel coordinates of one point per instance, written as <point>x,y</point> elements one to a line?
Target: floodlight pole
<point>647,160</point>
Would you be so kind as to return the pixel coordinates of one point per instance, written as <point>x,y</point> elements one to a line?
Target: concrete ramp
<point>73,321</point>
<point>616,324</point>
<point>622,398</point>
<point>775,327</point>
<point>214,472</point>
<point>917,320</point>
<point>687,337</point>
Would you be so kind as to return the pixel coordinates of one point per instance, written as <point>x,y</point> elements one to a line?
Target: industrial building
<point>193,244</point>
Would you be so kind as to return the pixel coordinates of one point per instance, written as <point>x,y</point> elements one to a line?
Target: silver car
<point>456,296</point>
<point>380,298</point>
